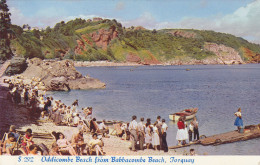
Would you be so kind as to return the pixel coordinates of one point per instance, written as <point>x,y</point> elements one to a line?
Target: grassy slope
<point>146,44</point>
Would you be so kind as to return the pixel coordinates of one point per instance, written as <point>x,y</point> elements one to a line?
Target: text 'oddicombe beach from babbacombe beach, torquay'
<point>138,82</point>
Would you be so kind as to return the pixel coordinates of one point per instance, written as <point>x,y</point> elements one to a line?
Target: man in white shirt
<point>164,142</point>
<point>103,128</point>
<point>159,126</point>
<point>133,131</point>
<point>141,133</point>
<point>76,120</point>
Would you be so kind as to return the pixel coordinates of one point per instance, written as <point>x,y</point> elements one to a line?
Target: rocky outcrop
<point>103,37</point>
<point>225,55</point>
<point>59,75</point>
<point>251,56</point>
<point>59,84</point>
<point>17,66</point>
<point>133,58</point>
<point>151,60</point>
<point>100,38</point>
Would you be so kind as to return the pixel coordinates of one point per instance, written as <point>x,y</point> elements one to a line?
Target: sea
<point>151,91</point>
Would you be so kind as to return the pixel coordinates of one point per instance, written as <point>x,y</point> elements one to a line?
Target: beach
<point>23,119</point>
<point>125,82</point>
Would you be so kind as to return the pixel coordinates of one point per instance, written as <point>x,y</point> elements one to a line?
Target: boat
<point>110,122</point>
<point>188,113</point>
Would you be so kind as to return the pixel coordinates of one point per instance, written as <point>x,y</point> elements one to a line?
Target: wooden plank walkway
<point>250,132</point>
<point>38,135</point>
<point>230,137</point>
<point>186,145</point>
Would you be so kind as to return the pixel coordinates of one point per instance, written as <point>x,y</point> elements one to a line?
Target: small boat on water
<point>188,113</point>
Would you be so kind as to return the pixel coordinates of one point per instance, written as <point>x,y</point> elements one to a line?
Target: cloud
<point>146,20</point>
<point>41,19</point>
<point>244,22</point>
<point>120,6</point>
<point>203,3</point>
<point>18,18</point>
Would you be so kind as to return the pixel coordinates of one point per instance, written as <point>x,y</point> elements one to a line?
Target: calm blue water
<point>148,91</point>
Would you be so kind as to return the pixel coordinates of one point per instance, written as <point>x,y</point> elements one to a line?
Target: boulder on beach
<point>59,75</point>
<point>17,66</point>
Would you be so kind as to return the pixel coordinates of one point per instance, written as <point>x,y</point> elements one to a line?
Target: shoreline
<point>117,64</point>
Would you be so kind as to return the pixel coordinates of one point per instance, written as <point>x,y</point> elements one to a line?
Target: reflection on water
<point>149,91</point>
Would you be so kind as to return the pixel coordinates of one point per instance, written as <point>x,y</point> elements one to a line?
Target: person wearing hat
<point>12,130</point>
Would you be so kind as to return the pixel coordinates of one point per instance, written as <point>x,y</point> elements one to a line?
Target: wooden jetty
<point>186,145</point>
<point>249,132</point>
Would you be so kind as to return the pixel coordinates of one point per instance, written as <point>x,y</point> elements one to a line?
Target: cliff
<point>108,40</point>
<point>225,55</point>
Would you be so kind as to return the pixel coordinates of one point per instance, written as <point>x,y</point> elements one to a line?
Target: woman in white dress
<point>148,135</point>
<point>155,137</point>
<point>181,133</point>
<point>186,130</point>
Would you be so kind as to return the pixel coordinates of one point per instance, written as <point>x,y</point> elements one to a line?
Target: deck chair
<point>16,147</point>
<point>86,125</point>
<point>117,129</point>
<point>68,135</point>
<point>92,149</point>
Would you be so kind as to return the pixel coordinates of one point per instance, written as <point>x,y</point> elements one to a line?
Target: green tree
<point>5,23</point>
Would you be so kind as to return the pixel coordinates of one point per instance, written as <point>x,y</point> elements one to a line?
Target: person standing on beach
<point>159,126</point>
<point>148,134</point>
<point>181,137</point>
<point>195,124</point>
<point>190,131</point>
<point>133,132</point>
<point>75,104</point>
<point>155,136</point>
<point>141,133</point>
<point>47,104</point>
<point>26,96</point>
<point>238,121</point>
<point>164,142</point>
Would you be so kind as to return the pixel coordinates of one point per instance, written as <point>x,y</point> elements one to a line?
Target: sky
<point>237,17</point>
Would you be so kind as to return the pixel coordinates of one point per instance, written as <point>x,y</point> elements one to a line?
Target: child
<point>27,140</point>
<point>9,144</point>
<point>192,152</point>
<point>33,150</point>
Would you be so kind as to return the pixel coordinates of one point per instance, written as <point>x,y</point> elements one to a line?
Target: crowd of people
<point>143,135</point>
<point>150,135</point>
<point>30,96</point>
<point>185,131</point>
